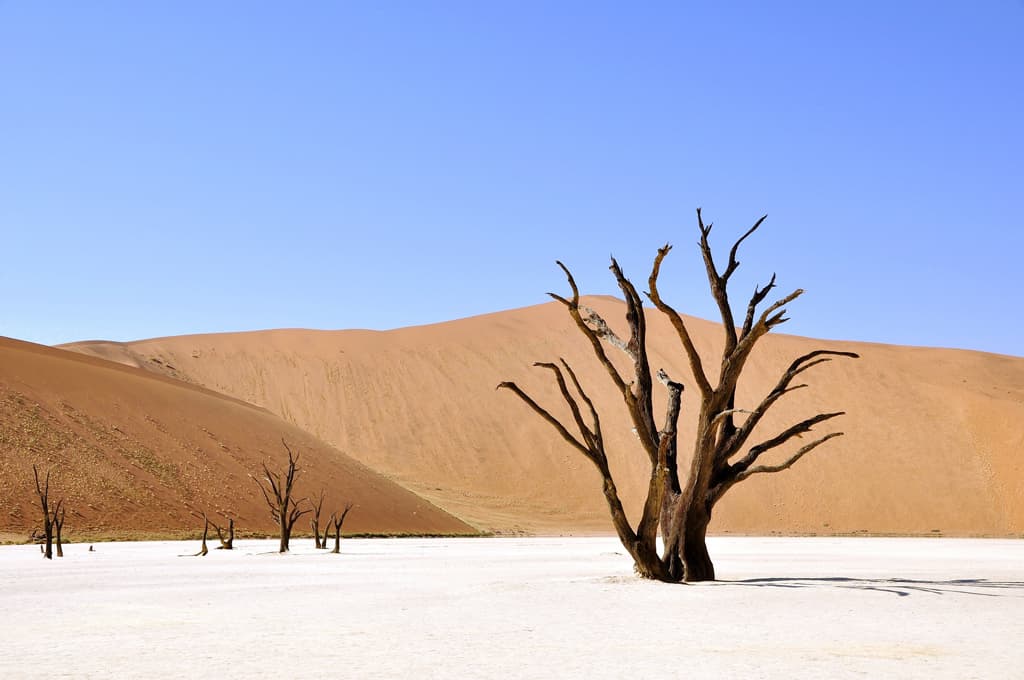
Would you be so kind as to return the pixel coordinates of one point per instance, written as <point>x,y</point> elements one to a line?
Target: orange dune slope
<point>136,454</point>
<point>933,445</point>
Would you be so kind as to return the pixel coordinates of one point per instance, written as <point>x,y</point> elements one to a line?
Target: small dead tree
<point>50,512</point>
<point>278,494</point>
<point>206,532</point>
<point>314,521</point>
<point>681,506</point>
<point>336,521</point>
<point>227,543</point>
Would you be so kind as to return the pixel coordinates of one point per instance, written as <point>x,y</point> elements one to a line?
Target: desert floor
<point>514,607</point>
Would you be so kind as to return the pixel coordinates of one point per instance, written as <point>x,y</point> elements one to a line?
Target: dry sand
<point>516,608</point>
<point>138,454</point>
<point>933,446</point>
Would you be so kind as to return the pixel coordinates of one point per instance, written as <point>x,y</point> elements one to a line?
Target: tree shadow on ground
<point>897,586</point>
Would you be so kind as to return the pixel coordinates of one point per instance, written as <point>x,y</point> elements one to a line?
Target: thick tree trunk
<point>648,564</point>
<point>697,565</point>
<point>48,551</point>
<point>286,534</point>
<point>337,541</point>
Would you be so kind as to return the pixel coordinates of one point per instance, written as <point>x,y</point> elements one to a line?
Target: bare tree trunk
<point>43,491</point>
<point>286,535</point>
<point>314,521</point>
<point>693,546</point>
<point>337,520</point>
<point>58,525</point>
<point>206,531</point>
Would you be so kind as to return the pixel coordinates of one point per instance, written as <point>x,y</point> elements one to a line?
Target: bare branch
<point>719,283</point>
<point>554,422</point>
<point>725,414</point>
<point>757,298</point>
<point>596,427</point>
<point>572,282</point>
<point>735,442</point>
<point>639,400</point>
<point>794,431</point>
<point>574,407</point>
<point>733,262</point>
<point>595,341</point>
<point>600,326</point>
<point>696,366</point>
<point>803,451</point>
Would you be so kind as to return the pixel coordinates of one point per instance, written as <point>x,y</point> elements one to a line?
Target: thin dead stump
<point>226,542</point>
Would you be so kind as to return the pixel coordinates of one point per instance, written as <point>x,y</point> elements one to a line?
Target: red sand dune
<point>934,441</point>
<point>136,453</point>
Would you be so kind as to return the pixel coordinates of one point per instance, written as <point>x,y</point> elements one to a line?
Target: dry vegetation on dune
<point>139,455</point>
<point>932,446</point>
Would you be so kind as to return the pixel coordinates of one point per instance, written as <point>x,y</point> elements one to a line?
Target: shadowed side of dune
<point>138,454</point>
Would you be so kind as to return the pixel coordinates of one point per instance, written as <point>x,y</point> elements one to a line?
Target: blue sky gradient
<point>171,168</point>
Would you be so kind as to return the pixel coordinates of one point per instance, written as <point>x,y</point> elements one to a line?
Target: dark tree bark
<point>314,521</point>
<point>206,532</point>
<point>680,511</point>
<point>278,494</point>
<point>43,492</point>
<point>336,521</point>
<point>226,543</point>
<point>58,527</point>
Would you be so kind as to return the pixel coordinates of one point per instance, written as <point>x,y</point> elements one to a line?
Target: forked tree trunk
<point>43,491</point>
<point>336,521</point>
<point>722,454</point>
<point>278,495</point>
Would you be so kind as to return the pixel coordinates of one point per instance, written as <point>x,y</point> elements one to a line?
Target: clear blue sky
<point>170,168</point>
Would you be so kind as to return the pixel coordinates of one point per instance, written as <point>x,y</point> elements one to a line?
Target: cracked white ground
<point>514,607</point>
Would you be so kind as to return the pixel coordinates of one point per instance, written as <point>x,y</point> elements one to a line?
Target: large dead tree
<point>53,515</point>
<point>277,492</point>
<point>680,506</point>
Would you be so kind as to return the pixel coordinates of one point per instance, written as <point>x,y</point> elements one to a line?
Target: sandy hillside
<point>137,453</point>
<point>934,442</point>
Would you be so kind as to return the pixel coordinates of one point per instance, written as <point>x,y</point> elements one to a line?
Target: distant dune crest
<point>933,438</point>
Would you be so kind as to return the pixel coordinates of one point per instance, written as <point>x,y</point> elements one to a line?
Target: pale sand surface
<point>515,607</point>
